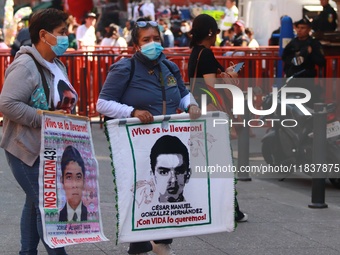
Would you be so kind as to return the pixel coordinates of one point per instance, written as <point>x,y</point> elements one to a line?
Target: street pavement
<point>280,221</point>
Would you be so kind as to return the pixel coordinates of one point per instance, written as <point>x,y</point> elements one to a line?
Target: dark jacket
<point>63,213</point>
<point>326,21</point>
<point>23,39</point>
<point>240,38</point>
<point>298,47</point>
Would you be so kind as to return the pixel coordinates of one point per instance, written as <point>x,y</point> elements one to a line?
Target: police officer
<point>303,53</point>
<point>326,21</point>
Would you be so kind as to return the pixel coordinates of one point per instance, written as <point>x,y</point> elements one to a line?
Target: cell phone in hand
<point>238,67</point>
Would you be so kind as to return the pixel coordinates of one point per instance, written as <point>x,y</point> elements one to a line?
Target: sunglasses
<point>145,23</point>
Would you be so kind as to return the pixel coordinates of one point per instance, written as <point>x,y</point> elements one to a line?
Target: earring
<point>210,34</point>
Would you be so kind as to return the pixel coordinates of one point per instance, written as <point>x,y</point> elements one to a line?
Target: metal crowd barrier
<point>5,60</point>
<point>246,51</point>
<point>87,71</point>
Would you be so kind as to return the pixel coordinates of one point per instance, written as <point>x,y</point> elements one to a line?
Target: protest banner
<point>68,182</point>
<point>172,175</point>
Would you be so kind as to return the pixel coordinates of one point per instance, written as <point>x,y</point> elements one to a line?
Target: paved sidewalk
<point>280,221</point>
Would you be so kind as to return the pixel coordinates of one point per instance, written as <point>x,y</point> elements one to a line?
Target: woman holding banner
<point>156,88</point>
<point>204,70</point>
<point>32,83</point>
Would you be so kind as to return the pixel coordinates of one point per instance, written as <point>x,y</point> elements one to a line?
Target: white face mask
<point>184,29</point>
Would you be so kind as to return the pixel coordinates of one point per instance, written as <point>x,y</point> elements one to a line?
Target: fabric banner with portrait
<point>68,182</point>
<point>174,177</point>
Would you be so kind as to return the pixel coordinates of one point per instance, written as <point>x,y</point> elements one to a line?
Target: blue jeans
<point>30,225</point>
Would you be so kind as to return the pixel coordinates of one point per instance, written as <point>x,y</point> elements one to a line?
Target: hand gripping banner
<point>173,177</point>
<point>68,180</point>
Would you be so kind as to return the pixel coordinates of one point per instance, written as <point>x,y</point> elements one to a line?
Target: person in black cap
<point>303,53</point>
<point>326,21</point>
<point>240,39</point>
<point>86,35</point>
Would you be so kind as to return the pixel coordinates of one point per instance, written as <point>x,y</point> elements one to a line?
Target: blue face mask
<point>152,50</point>
<point>161,28</point>
<point>61,46</point>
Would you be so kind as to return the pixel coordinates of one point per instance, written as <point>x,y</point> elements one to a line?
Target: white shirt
<point>106,41</point>
<point>253,43</point>
<point>70,212</point>
<point>148,9</point>
<point>86,35</point>
<point>120,42</point>
<point>231,16</point>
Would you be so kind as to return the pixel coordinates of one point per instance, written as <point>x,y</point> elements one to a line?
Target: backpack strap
<point>132,70</point>
<point>196,68</point>
<point>166,62</point>
<point>44,81</point>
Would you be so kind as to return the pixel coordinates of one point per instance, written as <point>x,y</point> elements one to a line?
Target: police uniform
<point>297,58</point>
<point>326,21</point>
<point>299,48</point>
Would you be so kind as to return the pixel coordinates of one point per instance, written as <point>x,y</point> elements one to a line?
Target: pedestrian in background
<point>26,91</point>
<point>228,37</point>
<point>230,15</point>
<point>252,41</point>
<point>72,30</point>
<point>184,39</point>
<point>240,38</point>
<point>127,31</point>
<point>168,36</point>
<point>326,21</point>
<point>303,52</point>
<point>112,37</point>
<point>22,38</point>
<point>86,34</point>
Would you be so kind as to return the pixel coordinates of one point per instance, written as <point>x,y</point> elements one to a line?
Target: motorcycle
<point>293,145</point>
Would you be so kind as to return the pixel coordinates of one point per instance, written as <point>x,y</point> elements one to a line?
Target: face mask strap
<point>48,42</point>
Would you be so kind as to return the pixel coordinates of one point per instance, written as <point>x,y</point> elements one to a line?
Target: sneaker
<point>244,219</point>
<point>162,249</point>
<point>144,253</point>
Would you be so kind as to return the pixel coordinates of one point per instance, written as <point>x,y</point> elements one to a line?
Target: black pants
<point>141,247</point>
<point>238,214</point>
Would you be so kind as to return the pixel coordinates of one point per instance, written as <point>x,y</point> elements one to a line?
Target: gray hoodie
<point>21,96</point>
